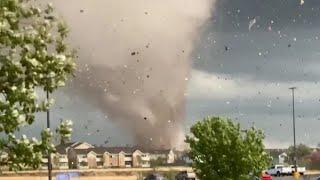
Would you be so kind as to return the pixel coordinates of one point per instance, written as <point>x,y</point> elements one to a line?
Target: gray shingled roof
<point>61,149</point>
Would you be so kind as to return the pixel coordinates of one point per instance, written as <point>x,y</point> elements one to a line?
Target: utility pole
<point>294,131</point>
<point>49,153</point>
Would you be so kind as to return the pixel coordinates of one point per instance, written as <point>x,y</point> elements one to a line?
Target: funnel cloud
<point>134,61</point>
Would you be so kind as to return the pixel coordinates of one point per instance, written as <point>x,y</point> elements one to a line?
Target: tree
<point>64,130</point>
<point>221,150</point>
<point>158,162</point>
<point>33,57</point>
<point>301,152</point>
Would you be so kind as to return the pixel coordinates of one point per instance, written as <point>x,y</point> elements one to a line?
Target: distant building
<point>282,157</point>
<point>168,155</point>
<point>278,156</point>
<point>82,155</point>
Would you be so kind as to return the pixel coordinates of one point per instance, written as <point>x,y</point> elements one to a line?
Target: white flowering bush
<point>33,55</point>
<point>65,131</point>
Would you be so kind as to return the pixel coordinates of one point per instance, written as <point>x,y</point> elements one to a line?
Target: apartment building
<point>168,155</point>
<point>82,155</point>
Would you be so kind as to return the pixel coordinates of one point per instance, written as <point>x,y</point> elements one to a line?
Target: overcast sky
<point>239,73</point>
<point>249,82</point>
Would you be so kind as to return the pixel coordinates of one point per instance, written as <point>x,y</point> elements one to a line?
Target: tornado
<point>134,61</point>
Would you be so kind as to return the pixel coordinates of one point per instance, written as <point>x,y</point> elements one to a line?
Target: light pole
<point>294,131</point>
<point>49,153</point>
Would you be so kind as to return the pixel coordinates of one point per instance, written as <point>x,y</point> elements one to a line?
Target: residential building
<point>167,154</point>
<point>282,157</point>
<point>82,155</point>
<point>278,156</point>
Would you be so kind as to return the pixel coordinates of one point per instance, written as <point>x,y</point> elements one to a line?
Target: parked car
<point>154,176</point>
<point>279,170</point>
<point>300,170</point>
<point>266,177</point>
<point>184,175</point>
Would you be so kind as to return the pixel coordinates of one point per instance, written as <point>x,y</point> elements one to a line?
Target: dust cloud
<point>134,61</point>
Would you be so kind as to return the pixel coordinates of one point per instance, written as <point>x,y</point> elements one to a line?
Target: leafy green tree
<point>33,57</point>
<point>302,151</point>
<point>221,150</point>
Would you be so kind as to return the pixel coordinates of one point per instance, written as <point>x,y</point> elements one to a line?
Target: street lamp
<point>294,131</point>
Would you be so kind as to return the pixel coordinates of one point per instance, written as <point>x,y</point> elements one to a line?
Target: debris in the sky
<point>289,45</point>
<point>301,2</point>
<point>81,10</point>
<point>146,13</point>
<point>148,76</point>
<point>145,118</point>
<point>133,53</point>
<point>147,46</point>
<point>251,23</point>
<point>226,48</point>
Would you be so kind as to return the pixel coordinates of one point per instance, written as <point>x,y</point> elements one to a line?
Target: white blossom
<point>21,118</point>
<point>15,113</point>
<point>33,61</point>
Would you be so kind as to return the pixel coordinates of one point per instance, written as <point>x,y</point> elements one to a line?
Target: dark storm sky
<point>248,82</point>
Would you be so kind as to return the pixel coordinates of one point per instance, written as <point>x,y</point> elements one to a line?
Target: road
<point>311,177</point>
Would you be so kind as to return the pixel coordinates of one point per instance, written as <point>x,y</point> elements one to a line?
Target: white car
<point>279,170</point>
<point>300,170</point>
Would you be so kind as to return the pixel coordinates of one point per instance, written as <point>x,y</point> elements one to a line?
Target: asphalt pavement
<point>310,177</point>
